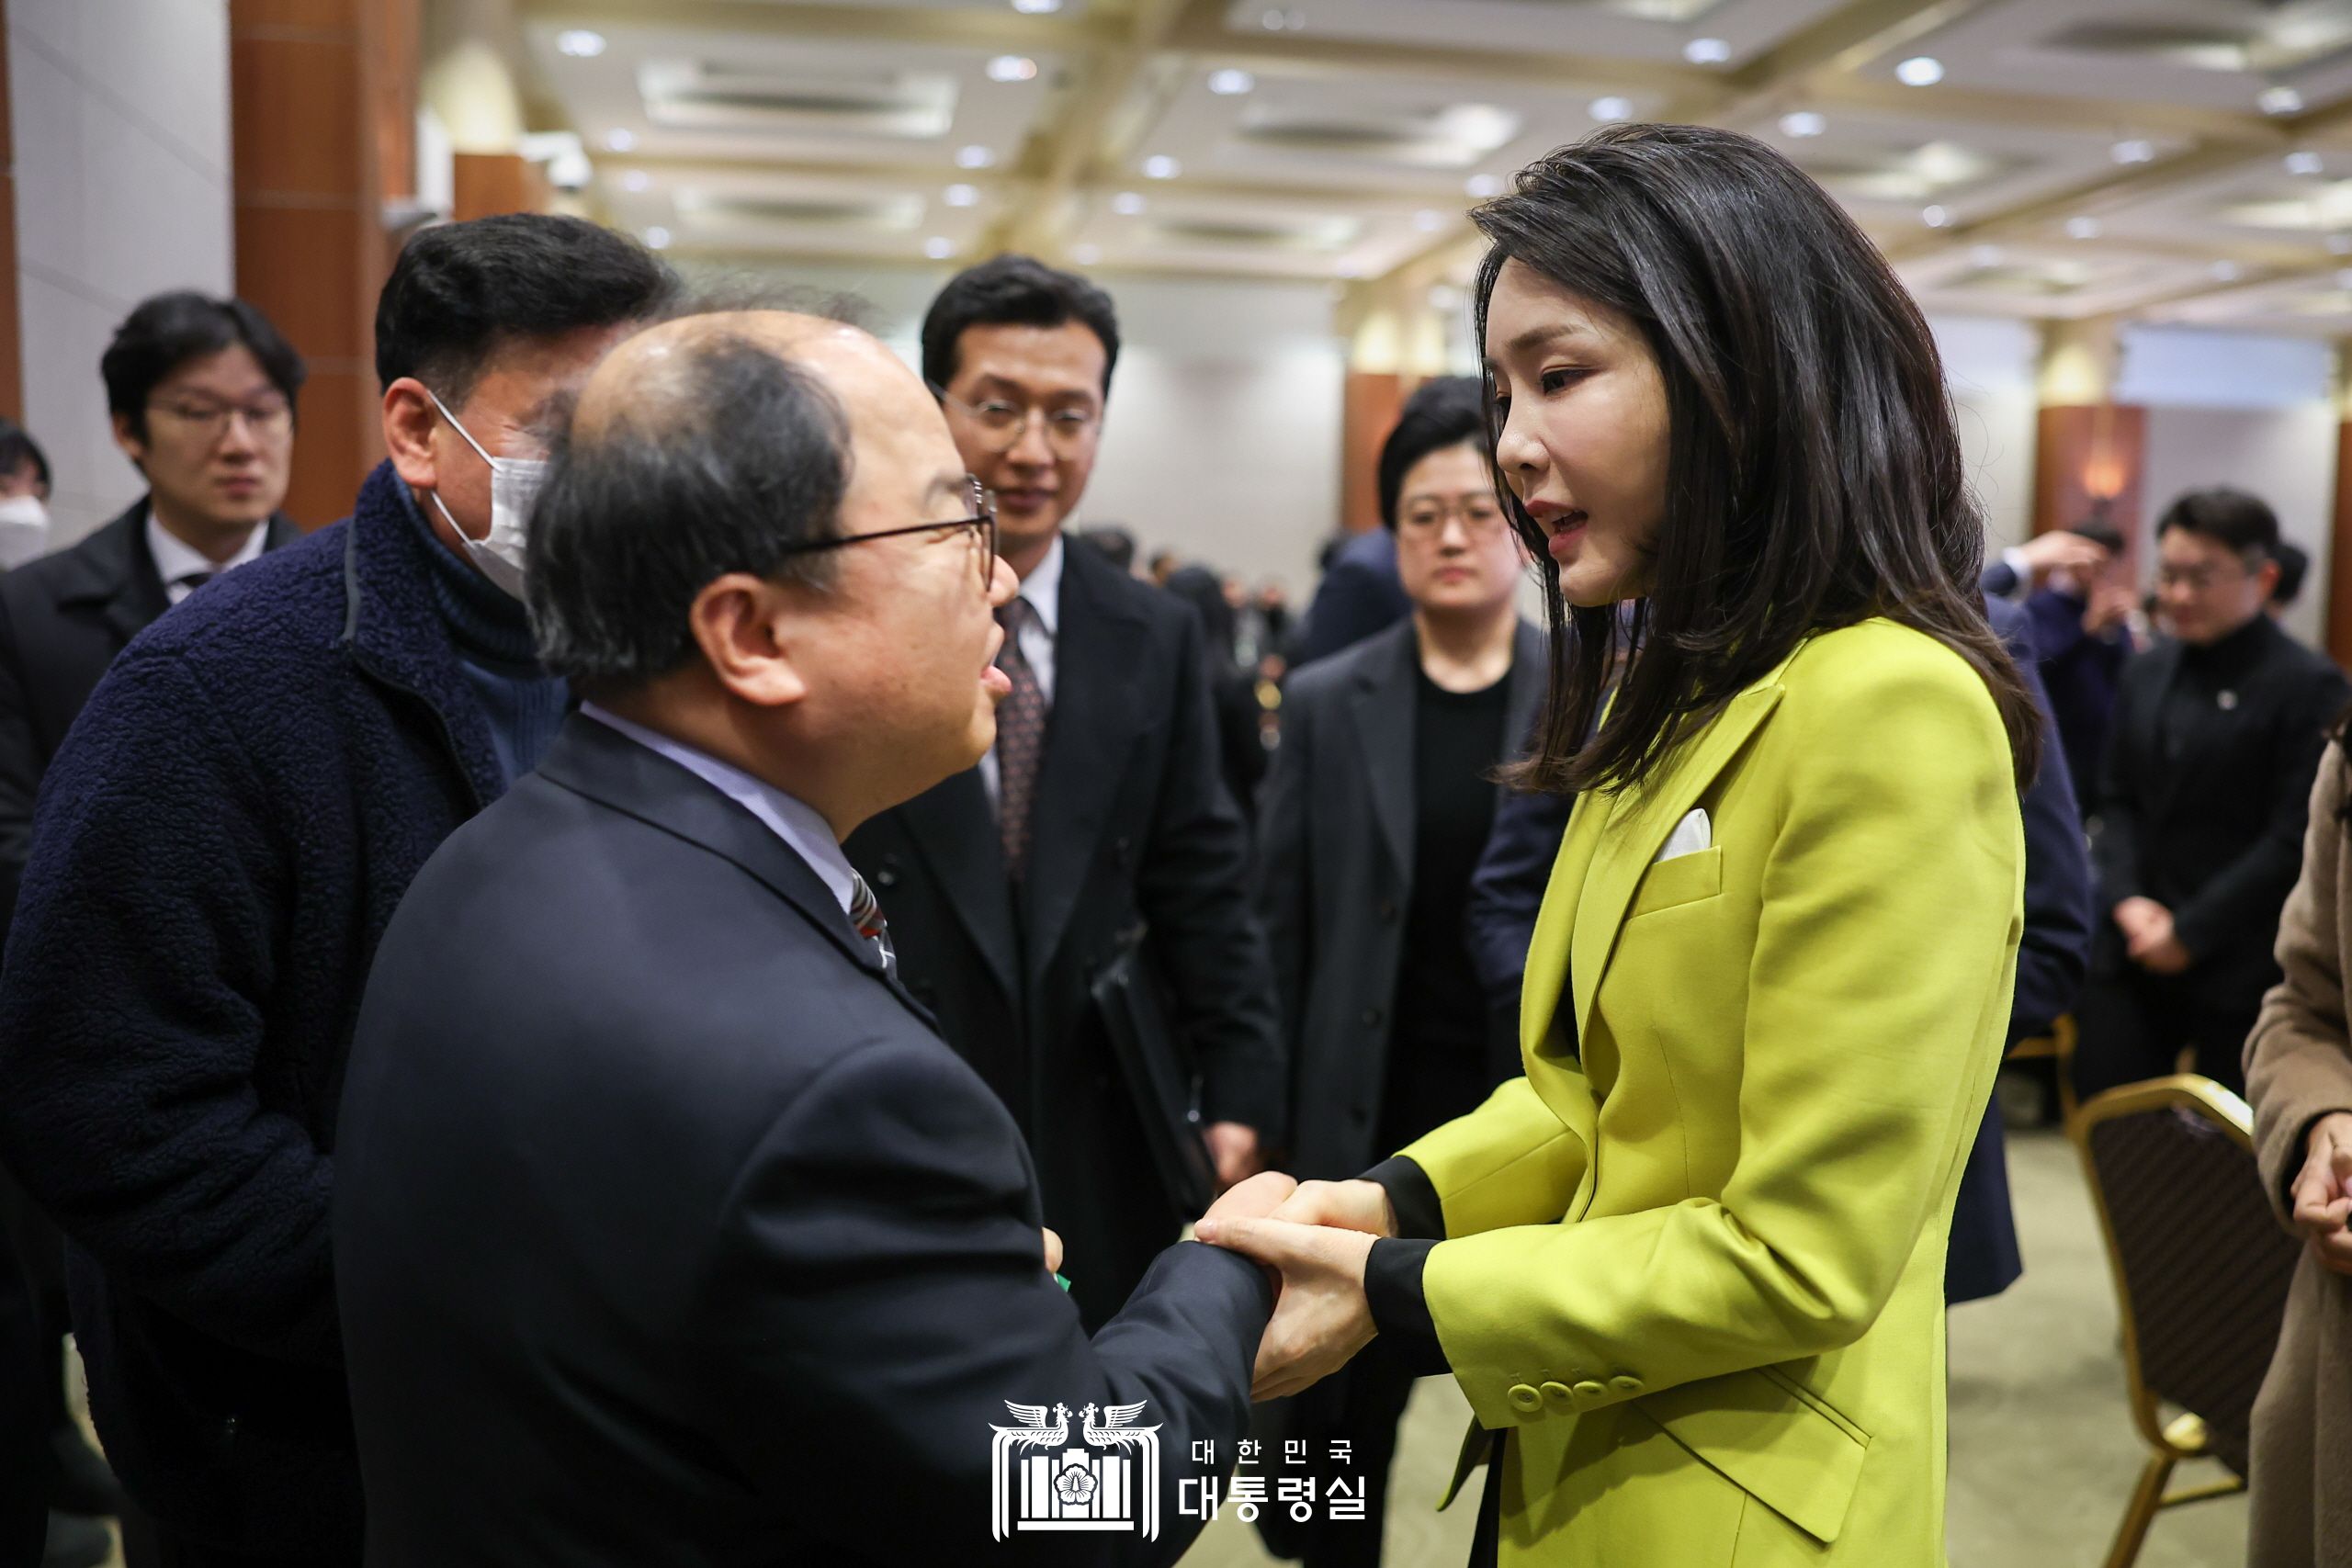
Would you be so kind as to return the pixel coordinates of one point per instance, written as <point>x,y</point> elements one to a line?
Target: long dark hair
<point>1814,470</point>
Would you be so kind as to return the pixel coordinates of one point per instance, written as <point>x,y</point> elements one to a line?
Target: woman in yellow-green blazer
<point>1689,1271</point>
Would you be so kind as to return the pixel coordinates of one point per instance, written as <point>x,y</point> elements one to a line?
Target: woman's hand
<point>1321,1318</point>
<point>1357,1205</point>
<point>1053,1252</point>
<point>2322,1191</point>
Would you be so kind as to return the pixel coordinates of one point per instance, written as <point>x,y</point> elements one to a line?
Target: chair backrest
<point>2202,1265</point>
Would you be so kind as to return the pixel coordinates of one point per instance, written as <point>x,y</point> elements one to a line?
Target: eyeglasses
<point>1482,518</point>
<point>1002,424</point>
<point>268,419</point>
<point>982,522</point>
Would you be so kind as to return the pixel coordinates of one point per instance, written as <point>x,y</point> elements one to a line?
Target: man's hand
<point>1254,1198</point>
<point>2046,553</point>
<point>1234,1147</point>
<point>2148,938</point>
<point>2322,1191</point>
<point>2134,916</point>
<point>1321,1318</point>
<point>1356,1205</point>
<point>2110,605</point>
<point>1053,1252</point>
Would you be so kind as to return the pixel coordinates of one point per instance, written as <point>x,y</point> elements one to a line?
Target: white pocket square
<point>1690,835</point>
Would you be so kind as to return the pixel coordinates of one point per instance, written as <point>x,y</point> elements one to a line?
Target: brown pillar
<point>488,184</point>
<point>2339,570</point>
<point>1369,407</point>
<point>2088,457</point>
<point>12,378</point>
<point>323,101</point>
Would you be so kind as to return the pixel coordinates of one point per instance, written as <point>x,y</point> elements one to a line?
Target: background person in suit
<point>1099,811</point>
<point>222,839</point>
<point>1375,810</point>
<point>669,1230</point>
<point>2201,805</point>
<point>202,394</point>
<point>1698,1247</point>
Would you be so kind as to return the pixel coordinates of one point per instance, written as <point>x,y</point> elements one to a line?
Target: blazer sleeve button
<point>1588,1390</point>
<point>1558,1396</point>
<point>1525,1400</point>
<point>1372,1015</point>
<point>1627,1386</point>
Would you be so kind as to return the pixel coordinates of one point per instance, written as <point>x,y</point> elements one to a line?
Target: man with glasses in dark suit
<point>1099,817</point>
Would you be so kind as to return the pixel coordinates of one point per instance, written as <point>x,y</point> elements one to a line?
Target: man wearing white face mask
<point>24,496</point>
<point>223,837</point>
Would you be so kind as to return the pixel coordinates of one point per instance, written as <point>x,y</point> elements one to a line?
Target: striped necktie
<point>866,914</point>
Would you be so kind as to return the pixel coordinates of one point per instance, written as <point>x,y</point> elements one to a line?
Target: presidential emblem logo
<point>1042,1481</point>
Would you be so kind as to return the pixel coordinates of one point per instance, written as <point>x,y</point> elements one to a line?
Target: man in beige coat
<point>2299,1077</point>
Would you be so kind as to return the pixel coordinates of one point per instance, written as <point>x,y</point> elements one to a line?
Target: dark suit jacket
<point>670,1232</point>
<point>62,619</point>
<point>1359,595</point>
<point>2217,838</point>
<point>1336,877</point>
<point>1132,827</point>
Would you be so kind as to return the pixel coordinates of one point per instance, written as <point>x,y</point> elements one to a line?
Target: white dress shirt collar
<point>176,559</point>
<point>1043,588</point>
<point>804,832</point>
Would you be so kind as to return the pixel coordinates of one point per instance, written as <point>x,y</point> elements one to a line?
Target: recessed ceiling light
<point>1428,222</point>
<point>2305,163</point>
<point>1160,166</point>
<point>1920,71</point>
<point>621,141</point>
<point>1935,217</point>
<point>2281,100</point>
<point>1805,122</point>
<point>580,44</point>
<point>1087,255</point>
<point>2225,272</point>
<point>658,237</point>
<point>2344,279</point>
<point>1011,68</point>
<point>1127,203</point>
<point>1985,256</point>
<point>2082,227</point>
<point>1485,185</point>
<point>1230,83</point>
<point>1611,110</point>
<point>2134,149</point>
<point>1291,20</point>
<point>1706,51</point>
<point>1037,7</point>
<point>637,179</point>
<point>961,196</point>
<point>974,157</point>
<point>939,247</point>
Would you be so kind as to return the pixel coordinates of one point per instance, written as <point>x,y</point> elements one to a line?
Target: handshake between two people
<point>1313,1239</point>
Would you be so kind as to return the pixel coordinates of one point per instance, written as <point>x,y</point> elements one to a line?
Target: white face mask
<point>513,484</point>
<point>24,530</point>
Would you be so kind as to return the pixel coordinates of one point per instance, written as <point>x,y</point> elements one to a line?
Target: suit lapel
<point>954,829</point>
<point>1098,716</point>
<point>598,762</point>
<point>1610,842</point>
<point>1381,703</point>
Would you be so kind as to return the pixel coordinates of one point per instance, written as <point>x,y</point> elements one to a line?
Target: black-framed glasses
<point>982,522</point>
